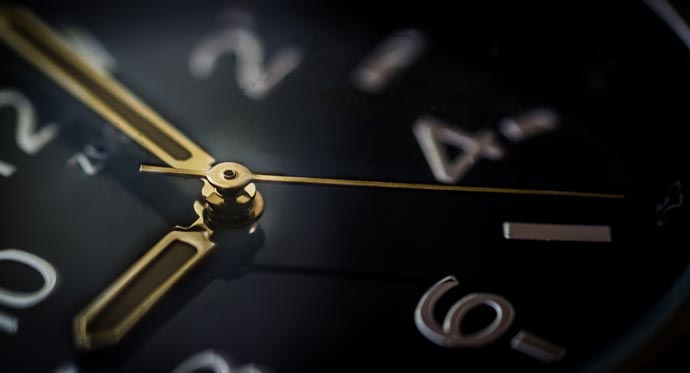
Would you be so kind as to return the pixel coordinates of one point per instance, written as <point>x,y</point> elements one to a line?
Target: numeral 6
<point>449,335</point>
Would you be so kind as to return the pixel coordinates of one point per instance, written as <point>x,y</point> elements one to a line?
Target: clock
<point>361,186</point>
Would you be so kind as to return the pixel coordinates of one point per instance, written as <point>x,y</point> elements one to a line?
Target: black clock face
<point>529,98</point>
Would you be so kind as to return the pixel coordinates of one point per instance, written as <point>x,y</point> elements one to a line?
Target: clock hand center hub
<point>230,197</point>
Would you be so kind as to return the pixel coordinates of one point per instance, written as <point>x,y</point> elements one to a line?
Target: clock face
<point>564,118</point>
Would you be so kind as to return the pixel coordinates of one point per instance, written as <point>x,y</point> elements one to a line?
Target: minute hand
<point>38,43</point>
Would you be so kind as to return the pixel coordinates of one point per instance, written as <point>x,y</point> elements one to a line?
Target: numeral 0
<point>17,299</point>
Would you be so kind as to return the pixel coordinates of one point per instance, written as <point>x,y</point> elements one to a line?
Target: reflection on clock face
<point>531,98</point>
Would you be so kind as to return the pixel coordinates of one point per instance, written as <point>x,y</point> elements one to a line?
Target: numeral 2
<point>28,139</point>
<point>91,160</point>
<point>254,78</point>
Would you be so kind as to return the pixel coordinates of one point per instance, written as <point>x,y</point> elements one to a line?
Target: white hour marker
<point>29,139</point>
<point>90,160</point>
<point>6,169</point>
<point>16,299</point>
<point>536,347</point>
<point>46,270</point>
<point>396,53</point>
<point>255,77</point>
<point>432,134</point>
<point>556,232</point>
<point>528,124</point>
<point>449,335</point>
<point>8,323</point>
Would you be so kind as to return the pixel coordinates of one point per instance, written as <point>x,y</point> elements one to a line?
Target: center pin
<point>230,197</point>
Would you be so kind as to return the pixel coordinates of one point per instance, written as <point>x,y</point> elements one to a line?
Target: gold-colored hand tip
<point>107,319</point>
<point>226,175</point>
<point>172,171</point>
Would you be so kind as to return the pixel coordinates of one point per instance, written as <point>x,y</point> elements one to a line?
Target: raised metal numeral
<point>432,134</point>
<point>255,78</point>
<point>449,335</point>
<point>388,60</point>
<point>28,139</point>
<point>17,299</point>
<point>90,160</point>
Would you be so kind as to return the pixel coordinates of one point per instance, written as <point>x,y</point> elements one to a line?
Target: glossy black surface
<point>331,280</point>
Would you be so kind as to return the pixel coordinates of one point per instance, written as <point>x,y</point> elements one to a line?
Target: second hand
<point>385,184</point>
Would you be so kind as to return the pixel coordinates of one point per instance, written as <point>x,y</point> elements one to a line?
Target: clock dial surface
<point>566,117</point>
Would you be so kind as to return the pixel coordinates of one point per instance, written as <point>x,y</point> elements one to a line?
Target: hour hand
<point>43,47</point>
<point>110,316</point>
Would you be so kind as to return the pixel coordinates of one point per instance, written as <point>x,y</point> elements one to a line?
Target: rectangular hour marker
<point>536,347</point>
<point>556,232</point>
<point>8,324</point>
<point>395,54</point>
<point>6,169</point>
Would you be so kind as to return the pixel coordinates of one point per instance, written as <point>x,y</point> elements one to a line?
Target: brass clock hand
<point>375,184</point>
<point>231,198</point>
<point>111,315</point>
<point>118,308</point>
<point>38,43</point>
